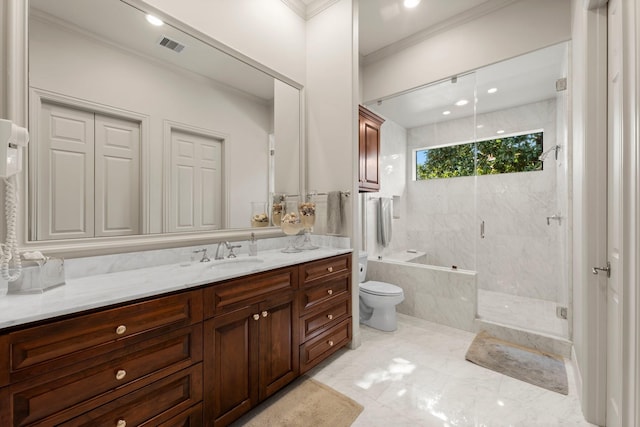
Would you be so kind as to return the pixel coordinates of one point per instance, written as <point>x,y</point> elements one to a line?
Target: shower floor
<point>526,313</point>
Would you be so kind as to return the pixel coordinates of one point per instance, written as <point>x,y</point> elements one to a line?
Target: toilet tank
<point>362,261</point>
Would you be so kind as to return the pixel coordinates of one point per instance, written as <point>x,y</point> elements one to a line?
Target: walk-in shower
<point>485,186</point>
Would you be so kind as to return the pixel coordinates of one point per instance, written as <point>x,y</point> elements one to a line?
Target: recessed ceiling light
<point>462,102</point>
<point>492,90</point>
<point>446,113</point>
<point>480,126</point>
<point>153,20</point>
<point>410,4</point>
<point>500,132</point>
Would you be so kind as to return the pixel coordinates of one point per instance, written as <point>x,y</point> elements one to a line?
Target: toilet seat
<point>384,289</point>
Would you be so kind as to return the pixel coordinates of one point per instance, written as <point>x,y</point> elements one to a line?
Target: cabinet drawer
<point>70,392</point>
<point>192,417</point>
<point>324,316</point>
<point>319,348</point>
<point>312,296</point>
<point>62,343</point>
<point>326,268</point>
<point>159,403</point>
<point>237,293</point>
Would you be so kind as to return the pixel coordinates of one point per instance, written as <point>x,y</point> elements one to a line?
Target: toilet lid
<point>380,288</point>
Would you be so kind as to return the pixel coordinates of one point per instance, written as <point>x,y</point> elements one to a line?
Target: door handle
<point>596,270</point>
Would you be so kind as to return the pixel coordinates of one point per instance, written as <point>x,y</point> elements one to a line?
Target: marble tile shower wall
<point>520,253</point>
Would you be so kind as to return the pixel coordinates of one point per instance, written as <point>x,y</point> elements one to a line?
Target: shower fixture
<point>544,155</point>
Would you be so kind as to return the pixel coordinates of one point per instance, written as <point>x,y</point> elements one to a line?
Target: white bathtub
<point>443,295</point>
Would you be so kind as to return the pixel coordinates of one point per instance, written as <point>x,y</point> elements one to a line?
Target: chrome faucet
<point>231,248</point>
<point>205,258</point>
<point>218,255</point>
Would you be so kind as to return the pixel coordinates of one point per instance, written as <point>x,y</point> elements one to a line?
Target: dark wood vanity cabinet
<point>139,364</point>
<point>200,357</point>
<point>369,150</point>
<point>325,309</point>
<point>251,342</point>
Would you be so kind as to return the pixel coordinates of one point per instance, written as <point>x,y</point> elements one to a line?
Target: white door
<point>117,176</point>
<point>614,216</point>
<point>65,173</point>
<point>196,182</point>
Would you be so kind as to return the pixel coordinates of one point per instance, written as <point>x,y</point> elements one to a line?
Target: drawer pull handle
<point>121,329</point>
<point>330,343</point>
<point>121,423</point>
<point>330,269</point>
<point>330,316</point>
<point>256,316</point>
<point>121,374</point>
<point>265,313</point>
<point>330,292</point>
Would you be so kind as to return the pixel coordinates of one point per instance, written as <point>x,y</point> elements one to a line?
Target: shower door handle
<point>607,269</point>
<point>482,230</point>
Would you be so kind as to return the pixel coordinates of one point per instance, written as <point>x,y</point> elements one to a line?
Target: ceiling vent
<point>171,44</point>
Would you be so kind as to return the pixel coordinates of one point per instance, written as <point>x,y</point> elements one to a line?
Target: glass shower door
<point>522,193</point>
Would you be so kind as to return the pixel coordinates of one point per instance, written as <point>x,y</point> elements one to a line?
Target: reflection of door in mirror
<point>196,182</point>
<point>88,179</point>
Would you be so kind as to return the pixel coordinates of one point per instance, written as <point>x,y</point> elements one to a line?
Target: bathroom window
<point>507,154</point>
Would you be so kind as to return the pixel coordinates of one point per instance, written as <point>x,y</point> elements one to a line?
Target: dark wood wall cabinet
<point>369,150</point>
<point>200,357</point>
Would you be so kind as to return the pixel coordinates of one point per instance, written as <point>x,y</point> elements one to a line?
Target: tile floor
<point>527,313</point>
<point>417,376</point>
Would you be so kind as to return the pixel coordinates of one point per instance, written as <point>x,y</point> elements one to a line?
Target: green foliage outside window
<point>516,153</point>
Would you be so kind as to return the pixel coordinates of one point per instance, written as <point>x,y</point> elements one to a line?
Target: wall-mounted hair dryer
<point>13,139</point>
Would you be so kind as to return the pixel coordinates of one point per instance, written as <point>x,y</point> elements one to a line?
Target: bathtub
<point>443,295</point>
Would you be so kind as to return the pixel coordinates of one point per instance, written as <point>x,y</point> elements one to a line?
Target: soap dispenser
<point>253,245</point>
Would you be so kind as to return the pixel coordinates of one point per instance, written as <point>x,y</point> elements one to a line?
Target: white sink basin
<point>236,263</point>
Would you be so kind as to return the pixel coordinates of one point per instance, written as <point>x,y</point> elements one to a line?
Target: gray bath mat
<point>526,364</point>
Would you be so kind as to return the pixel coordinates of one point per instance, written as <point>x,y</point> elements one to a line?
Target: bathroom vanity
<point>202,355</point>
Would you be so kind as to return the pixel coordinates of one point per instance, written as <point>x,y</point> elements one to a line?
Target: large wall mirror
<point>143,129</point>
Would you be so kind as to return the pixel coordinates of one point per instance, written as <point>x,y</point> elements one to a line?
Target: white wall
<point>331,108</point>
<point>521,27</point>
<point>266,30</point>
<point>69,63</point>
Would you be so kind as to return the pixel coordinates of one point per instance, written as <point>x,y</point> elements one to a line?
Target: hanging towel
<point>335,212</point>
<point>384,221</point>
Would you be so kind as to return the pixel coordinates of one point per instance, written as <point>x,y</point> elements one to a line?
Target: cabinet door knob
<point>121,374</point>
<point>265,313</point>
<point>256,316</point>
<point>121,329</point>
<point>330,316</point>
<point>330,343</point>
<point>121,423</point>
<point>330,269</point>
<point>330,292</point>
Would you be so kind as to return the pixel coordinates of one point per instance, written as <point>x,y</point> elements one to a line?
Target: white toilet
<point>378,300</point>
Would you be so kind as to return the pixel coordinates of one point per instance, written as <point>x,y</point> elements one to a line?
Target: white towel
<point>384,221</point>
<point>335,212</point>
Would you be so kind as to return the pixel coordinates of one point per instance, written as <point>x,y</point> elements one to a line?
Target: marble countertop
<point>102,290</point>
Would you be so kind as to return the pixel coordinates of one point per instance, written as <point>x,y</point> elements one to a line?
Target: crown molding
<point>297,6</point>
<point>317,6</point>
<point>460,19</point>
<point>307,10</point>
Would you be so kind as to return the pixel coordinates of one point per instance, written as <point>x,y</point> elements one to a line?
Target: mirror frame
<point>16,88</point>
